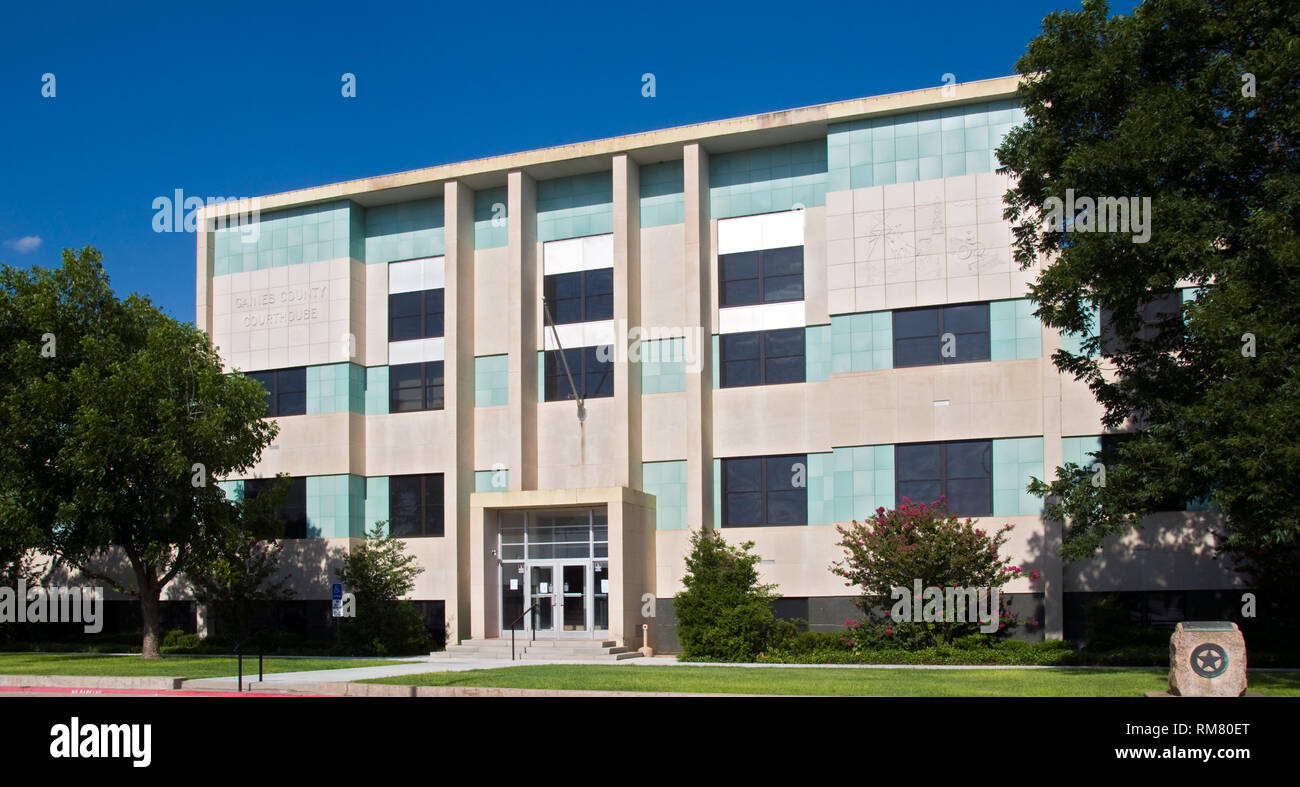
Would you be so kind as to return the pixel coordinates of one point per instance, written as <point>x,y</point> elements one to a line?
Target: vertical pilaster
<point>699,316</point>
<point>1053,529</point>
<point>627,315</point>
<point>522,307</point>
<point>458,390</point>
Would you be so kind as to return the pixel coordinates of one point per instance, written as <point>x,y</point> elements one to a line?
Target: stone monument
<point>1207,659</point>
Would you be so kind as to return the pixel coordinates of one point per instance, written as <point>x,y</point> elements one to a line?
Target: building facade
<point>546,369</point>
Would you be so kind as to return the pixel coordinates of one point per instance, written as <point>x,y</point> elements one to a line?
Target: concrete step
<point>542,649</point>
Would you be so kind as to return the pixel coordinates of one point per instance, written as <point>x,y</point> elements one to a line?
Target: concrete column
<point>522,305</point>
<point>627,314</point>
<point>206,248</point>
<point>1053,529</point>
<point>699,316</point>
<point>458,389</point>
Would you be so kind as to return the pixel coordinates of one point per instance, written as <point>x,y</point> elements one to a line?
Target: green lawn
<point>168,666</point>
<point>833,681</point>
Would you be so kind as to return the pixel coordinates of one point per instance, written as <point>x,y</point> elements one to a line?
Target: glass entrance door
<point>575,590</point>
<point>542,598</point>
<point>554,562</point>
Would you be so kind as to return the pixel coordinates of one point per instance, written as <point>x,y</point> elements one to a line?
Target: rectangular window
<point>762,358</point>
<point>1110,444</point>
<point>580,296</point>
<point>765,490</point>
<point>292,510</point>
<point>286,390</point>
<point>1150,318</point>
<point>415,505</point>
<point>769,276</point>
<point>415,386</point>
<point>935,335</point>
<point>415,315</point>
<point>961,472</point>
<point>593,377</point>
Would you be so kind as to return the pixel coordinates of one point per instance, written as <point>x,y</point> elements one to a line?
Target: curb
<point>91,682</point>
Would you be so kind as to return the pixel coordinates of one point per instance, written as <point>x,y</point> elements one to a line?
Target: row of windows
<point>771,490</point>
<point>756,490</point>
<point>415,505</point>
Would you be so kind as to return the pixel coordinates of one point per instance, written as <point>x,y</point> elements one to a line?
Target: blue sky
<point>243,99</point>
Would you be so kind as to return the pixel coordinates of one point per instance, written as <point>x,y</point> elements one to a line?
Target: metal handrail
<point>512,630</point>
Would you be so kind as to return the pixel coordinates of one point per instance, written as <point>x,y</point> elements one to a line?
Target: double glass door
<point>555,572</point>
<point>560,593</point>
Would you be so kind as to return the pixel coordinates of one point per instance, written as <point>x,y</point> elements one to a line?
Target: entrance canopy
<point>579,562</point>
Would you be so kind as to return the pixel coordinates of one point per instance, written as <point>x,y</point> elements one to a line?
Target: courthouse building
<point>545,369</point>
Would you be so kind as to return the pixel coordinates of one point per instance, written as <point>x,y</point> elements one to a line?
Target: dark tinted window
<point>415,386</point>
<point>415,505</point>
<point>1150,317</point>
<point>762,358</point>
<point>767,276</point>
<point>960,471</point>
<point>292,510</point>
<point>415,315</point>
<point>765,490</point>
<point>1110,444</point>
<point>594,377</point>
<point>919,334</point>
<point>580,296</point>
<point>286,390</point>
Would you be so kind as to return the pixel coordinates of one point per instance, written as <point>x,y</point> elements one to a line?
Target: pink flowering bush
<point>926,542</point>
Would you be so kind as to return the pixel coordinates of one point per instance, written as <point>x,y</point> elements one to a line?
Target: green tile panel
<point>1078,450</point>
<point>377,396</point>
<point>376,502</point>
<point>490,218</point>
<point>331,231</point>
<point>404,231</point>
<point>667,482</point>
<point>663,365</point>
<point>862,342</point>
<point>862,479</point>
<point>336,388</point>
<point>766,180</point>
<point>1014,332</point>
<point>663,198</point>
<point>821,488</point>
<point>491,380</point>
<point>903,148</point>
<point>1015,461</point>
<point>1073,343</point>
<point>335,506</point>
<point>575,207</point>
<point>817,353</point>
<point>492,480</point>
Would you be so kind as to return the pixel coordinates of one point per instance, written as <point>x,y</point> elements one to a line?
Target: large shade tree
<point>1194,104</point>
<point>114,420</point>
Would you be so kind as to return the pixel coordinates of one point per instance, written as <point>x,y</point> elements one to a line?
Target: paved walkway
<point>439,664</point>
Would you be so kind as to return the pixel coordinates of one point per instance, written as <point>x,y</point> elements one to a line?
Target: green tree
<point>235,574</point>
<point>723,613</point>
<point>1193,104</point>
<point>379,572</point>
<point>114,421</point>
<point>918,541</point>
